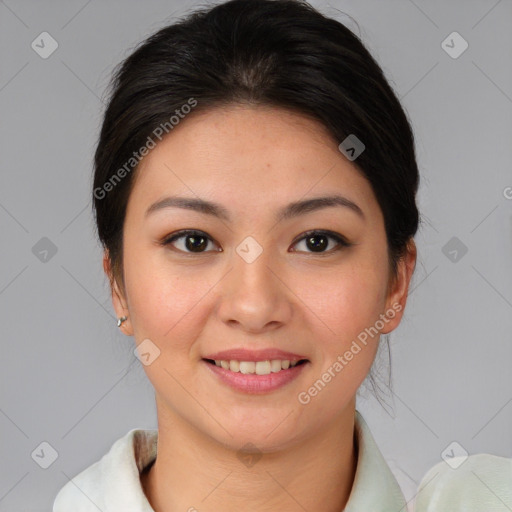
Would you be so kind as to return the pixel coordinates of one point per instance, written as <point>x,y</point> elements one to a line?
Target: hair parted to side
<point>277,53</point>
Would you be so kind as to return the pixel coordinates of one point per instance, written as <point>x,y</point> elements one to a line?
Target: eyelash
<point>342,242</point>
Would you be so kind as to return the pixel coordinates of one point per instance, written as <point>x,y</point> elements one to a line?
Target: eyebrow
<point>287,212</point>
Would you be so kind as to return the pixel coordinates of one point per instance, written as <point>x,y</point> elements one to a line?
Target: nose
<point>254,295</point>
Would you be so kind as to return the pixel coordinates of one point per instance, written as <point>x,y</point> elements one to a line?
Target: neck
<point>193,472</point>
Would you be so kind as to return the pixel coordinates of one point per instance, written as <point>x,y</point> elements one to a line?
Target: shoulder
<point>83,493</point>
<point>112,481</point>
<point>468,484</point>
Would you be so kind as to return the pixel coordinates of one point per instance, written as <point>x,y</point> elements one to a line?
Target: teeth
<point>257,367</point>
<point>247,366</point>
<point>275,366</point>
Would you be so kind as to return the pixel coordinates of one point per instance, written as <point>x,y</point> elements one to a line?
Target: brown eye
<point>318,241</point>
<point>191,241</point>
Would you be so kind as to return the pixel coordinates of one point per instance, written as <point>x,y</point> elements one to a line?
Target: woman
<point>254,192</point>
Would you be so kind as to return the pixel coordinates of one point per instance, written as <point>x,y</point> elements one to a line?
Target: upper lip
<point>243,354</point>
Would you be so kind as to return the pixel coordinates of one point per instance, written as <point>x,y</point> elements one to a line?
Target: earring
<point>121,320</point>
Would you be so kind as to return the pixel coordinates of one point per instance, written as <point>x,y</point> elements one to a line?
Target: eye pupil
<point>194,246</point>
<point>317,247</point>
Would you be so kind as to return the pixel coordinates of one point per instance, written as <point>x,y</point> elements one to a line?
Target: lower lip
<point>252,383</point>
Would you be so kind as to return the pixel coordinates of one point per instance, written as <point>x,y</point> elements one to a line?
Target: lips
<point>255,377</point>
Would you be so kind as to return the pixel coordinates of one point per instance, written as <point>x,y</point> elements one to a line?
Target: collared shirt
<point>112,484</point>
<point>480,482</point>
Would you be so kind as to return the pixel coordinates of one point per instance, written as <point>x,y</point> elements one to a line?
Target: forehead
<point>249,156</point>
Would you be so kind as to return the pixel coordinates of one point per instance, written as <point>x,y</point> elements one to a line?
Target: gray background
<point>69,377</point>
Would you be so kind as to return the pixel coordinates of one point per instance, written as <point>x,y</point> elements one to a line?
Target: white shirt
<point>112,484</point>
<point>477,483</point>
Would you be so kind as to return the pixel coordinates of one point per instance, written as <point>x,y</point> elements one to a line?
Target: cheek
<point>357,307</point>
<point>163,300</point>
<point>165,305</point>
<point>347,301</point>
<point>347,338</point>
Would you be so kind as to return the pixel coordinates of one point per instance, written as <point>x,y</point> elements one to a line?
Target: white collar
<point>113,483</point>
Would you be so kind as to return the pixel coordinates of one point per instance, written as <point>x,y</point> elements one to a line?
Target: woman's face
<point>252,279</point>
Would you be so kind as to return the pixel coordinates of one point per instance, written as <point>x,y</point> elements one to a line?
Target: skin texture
<point>253,160</point>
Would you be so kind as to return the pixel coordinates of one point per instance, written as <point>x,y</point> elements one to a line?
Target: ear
<point>118,298</point>
<point>399,288</point>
